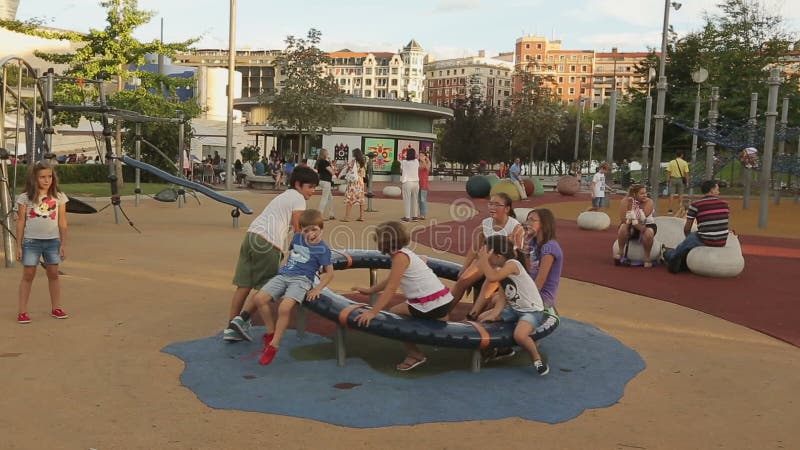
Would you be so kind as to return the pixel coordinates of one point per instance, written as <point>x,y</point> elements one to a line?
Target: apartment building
<point>384,75</point>
<point>616,68</point>
<point>459,78</point>
<point>569,72</point>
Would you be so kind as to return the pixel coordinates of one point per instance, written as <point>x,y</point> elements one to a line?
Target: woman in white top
<point>501,221</point>
<point>410,183</point>
<point>426,296</point>
<point>519,300</point>
<point>636,222</point>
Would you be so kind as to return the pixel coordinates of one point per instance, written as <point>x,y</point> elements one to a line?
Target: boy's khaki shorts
<point>258,262</point>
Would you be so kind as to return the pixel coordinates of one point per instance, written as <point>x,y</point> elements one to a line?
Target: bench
<point>260,182</point>
<point>453,172</point>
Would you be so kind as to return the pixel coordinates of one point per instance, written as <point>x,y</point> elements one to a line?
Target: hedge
<point>85,173</point>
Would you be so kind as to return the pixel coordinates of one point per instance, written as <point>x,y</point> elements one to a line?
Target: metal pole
<point>181,191</point>
<point>713,114</point>
<point>661,87</point>
<point>782,148</point>
<point>34,147</point>
<point>696,124</point>
<point>231,69</point>
<point>591,145</point>
<point>612,122</point>
<point>648,113</point>
<point>48,102</point>
<point>369,185</point>
<point>5,206</point>
<point>746,173</point>
<point>578,128</point>
<point>774,83</point>
<point>138,155</point>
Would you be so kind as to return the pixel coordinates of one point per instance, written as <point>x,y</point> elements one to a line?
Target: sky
<point>444,28</point>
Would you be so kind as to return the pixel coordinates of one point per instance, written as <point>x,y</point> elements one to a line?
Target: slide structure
<point>468,335</point>
<point>189,184</point>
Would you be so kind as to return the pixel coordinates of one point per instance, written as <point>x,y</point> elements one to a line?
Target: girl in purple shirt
<point>546,257</point>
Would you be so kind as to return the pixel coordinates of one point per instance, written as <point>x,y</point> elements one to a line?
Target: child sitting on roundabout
<point>426,296</point>
<point>502,222</point>
<point>307,253</point>
<point>518,300</point>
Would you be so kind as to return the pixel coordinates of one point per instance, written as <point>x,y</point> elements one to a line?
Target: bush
<point>396,167</point>
<point>86,173</point>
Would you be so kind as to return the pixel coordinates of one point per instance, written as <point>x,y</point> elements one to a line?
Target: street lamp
<point>231,69</point>
<point>661,87</point>
<point>698,76</point>
<point>591,143</point>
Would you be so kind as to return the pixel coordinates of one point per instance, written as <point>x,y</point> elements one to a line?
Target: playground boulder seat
<point>492,178</point>
<point>392,191</point>
<point>529,187</point>
<point>635,254</point>
<point>522,213</point>
<point>670,230</point>
<point>568,185</point>
<point>478,187</point>
<point>538,185</point>
<point>507,187</point>
<point>717,262</point>
<point>594,220</point>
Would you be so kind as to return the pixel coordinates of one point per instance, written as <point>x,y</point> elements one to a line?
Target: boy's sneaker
<point>268,355</point>
<point>541,367</point>
<point>242,327</point>
<point>23,318</point>
<point>231,335</point>
<point>267,338</point>
<point>59,314</point>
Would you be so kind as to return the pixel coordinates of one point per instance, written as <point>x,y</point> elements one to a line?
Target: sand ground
<point>98,380</point>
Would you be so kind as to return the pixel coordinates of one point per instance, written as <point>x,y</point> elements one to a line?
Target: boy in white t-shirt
<point>265,242</point>
<point>598,186</point>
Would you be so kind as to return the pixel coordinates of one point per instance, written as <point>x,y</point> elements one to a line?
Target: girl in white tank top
<point>426,296</point>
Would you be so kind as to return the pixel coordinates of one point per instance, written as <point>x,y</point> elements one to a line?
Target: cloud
<point>625,42</point>
<point>448,6</point>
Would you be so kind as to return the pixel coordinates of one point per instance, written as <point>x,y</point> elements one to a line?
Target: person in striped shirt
<point>711,213</point>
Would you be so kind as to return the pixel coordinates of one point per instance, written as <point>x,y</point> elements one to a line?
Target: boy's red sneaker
<point>268,355</point>
<point>268,338</point>
<point>23,318</point>
<point>59,314</point>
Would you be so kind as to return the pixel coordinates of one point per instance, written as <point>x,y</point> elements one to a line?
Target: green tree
<point>110,53</point>
<point>537,116</point>
<point>306,100</point>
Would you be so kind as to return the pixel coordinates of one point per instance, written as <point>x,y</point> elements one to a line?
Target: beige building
<point>616,67</point>
<point>384,75</point>
<point>256,66</point>
<point>579,74</point>
<point>451,79</point>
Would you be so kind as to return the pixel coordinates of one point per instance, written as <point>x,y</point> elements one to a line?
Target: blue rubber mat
<point>588,369</point>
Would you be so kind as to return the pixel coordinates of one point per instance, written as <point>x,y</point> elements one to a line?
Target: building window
<point>368,82</point>
<point>559,91</point>
<point>462,71</point>
<point>571,91</point>
<point>572,68</point>
<point>560,79</point>
<point>527,46</point>
<point>571,79</point>
<point>583,68</point>
<point>583,91</point>
<point>368,71</point>
<point>394,70</point>
<point>394,81</point>
<point>539,46</point>
<point>538,57</point>
<point>368,94</point>
<point>527,57</point>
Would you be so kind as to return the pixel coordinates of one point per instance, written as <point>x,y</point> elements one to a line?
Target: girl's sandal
<point>410,363</point>
<point>617,260</point>
<point>647,265</point>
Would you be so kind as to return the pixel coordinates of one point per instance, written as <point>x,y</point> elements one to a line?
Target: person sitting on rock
<point>636,222</point>
<point>712,215</point>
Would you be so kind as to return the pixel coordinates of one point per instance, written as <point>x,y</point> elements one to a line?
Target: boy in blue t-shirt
<point>293,283</point>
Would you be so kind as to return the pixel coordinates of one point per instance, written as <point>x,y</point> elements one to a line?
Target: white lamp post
<point>661,87</point>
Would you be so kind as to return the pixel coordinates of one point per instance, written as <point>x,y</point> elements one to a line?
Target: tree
<point>306,100</point>
<point>114,52</point>
<point>537,116</point>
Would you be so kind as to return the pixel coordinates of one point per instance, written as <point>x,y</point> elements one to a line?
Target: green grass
<point>103,189</point>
